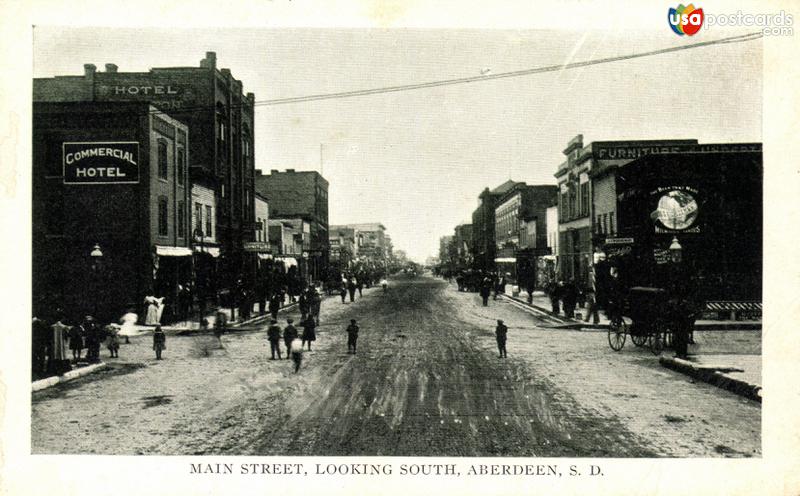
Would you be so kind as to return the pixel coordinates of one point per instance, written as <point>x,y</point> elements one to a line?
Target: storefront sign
<point>101,162</point>
<point>634,152</point>
<point>619,241</point>
<point>256,246</point>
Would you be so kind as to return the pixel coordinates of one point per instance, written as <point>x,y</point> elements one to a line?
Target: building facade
<point>219,117</point>
<point>343,246</point>
<point>586,194</point>
<point>521,231</point>
<point>301,195</point>
<point>462,239</point>
<point>484,248</point>
<point>111,207</point>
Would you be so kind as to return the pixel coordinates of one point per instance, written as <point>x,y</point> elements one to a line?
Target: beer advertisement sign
<point>101,162</point>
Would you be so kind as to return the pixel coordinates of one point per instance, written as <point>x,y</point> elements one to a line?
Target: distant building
<point>111,206</point>
<point>303,195</point>
<point>370,240</point>
<point>521,231</point>
<point>462,240</point>
<point>484,247</point>
<point>445,252</point>
<point>262,219</point>
<point>343,246</point>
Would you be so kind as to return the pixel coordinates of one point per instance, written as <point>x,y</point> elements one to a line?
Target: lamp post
<point>675,250</point>
<point>198,238</point>
<point>96,256</point>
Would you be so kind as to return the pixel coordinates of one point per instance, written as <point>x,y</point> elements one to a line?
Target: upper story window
<point>180,170</point>
<point>163,216</point>
<point>163,168</point>
<point>181,219</point>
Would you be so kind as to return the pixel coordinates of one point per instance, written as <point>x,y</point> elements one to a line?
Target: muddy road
<point>426,380</point>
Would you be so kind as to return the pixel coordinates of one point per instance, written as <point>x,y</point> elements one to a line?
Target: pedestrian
<point>303,306</point>
<point>343,291</point>
<point>501,332</point>
<point>184,300</point>
<point>309,331</point>
<point>289,335</point>
<point>220,325</point>
<point>274,305</point>
<point>554,292</point>
<point>384,284</point>
<point>159,341</point>
<point>570,298</point>
<point>360,286</point>
<point>315,303</point>
<point>154,309</point>
<point>486,288</point>
<point>75,335</point>
<point>92,339</point>
<point>40,335</point>
<point>351,288</point>
<point>274,337</point>
<point>58,363</point>
<point>593,290</point>
<point>128,322</point>
<point>352,336</point>
<point>112,339</point>
<point>297,353</point>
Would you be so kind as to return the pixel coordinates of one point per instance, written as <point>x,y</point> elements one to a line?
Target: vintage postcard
<point>390,247</point>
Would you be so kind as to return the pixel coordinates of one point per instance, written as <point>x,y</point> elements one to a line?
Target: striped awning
<point>172,251</point>
<point>733,305</point>
<point>505,260</point>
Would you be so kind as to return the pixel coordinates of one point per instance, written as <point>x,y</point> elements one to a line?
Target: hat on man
<point>289,320</point>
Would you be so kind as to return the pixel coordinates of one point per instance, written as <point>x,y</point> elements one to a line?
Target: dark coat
<point>274,333</point>
<point>501,331</point>
<point>309,330</point>
<point>289,334</point>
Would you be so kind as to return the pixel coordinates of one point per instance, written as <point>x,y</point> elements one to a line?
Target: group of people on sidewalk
<point>50,343</point>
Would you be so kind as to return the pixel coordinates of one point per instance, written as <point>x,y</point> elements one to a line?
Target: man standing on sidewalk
<point>596,274</point>
<point>274,337</point>
<point>501,332</point>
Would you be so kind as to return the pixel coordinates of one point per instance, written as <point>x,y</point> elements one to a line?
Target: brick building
<point>483,237</point>
<point>521,230</point>
<point>462,238</point>
<point>587,196</point>
<point>343,246</point>
<point>302,195</point>
<point>110,175</point>
<point>219,117</point>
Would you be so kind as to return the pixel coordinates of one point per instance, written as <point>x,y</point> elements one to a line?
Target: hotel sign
<point>101,162</point>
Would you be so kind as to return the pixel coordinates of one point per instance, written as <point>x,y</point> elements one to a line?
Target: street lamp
<point>96,256</point>
<point>675,250</point>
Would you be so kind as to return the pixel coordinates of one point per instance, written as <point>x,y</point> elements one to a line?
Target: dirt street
<point>426,380</point>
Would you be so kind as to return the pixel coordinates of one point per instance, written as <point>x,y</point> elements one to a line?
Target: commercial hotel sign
<point>101,162</point>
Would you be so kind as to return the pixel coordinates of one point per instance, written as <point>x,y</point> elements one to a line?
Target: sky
<point>417,160</point>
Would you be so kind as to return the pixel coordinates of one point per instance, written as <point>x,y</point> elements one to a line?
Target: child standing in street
<point>297,353</point>
<point>159,341</point>
<point>352,336</point>
<point>501,332</point>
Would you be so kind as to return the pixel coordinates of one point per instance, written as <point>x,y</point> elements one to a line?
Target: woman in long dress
<point>128,322</point>
<point>152,317</point>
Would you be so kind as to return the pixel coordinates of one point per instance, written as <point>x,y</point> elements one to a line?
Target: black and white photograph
<point>448,255</point>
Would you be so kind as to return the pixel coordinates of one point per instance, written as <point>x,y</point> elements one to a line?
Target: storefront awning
<point>505,260</point>
<point>288,261</point>
<point>173,251</point>
<point>265,256</point>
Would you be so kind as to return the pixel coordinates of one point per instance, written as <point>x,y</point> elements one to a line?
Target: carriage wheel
<point>639,339</point>
<point>617,329</point>
<point>657,340</point>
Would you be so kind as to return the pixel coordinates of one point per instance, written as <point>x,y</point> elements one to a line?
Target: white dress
<point>152,317</point>
<point>129,324</point>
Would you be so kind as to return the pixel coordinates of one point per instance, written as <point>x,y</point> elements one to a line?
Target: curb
<point>572,324</point>
<point>714,376</point>
<point>72,374</point>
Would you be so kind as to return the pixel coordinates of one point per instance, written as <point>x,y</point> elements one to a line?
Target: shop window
<point>198,216</point>
<point>585,198</point>
<point>208,230</point>
<point>163,212</point>
<point>163,169</point>
<point>181,219</point>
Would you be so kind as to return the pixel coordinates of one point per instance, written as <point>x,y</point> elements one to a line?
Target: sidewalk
<point>729,357</point>
<point>542,302</point>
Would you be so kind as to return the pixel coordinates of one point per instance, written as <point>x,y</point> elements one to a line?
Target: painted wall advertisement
<point>676,209</point>
<point>101,162</point>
